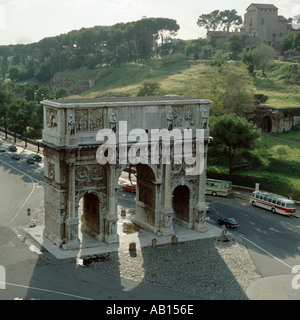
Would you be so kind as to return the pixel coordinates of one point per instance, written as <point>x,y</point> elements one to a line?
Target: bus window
<point>279,203</point>
<point>257,196</point>
<point>274,201</point>
<point>266,198</point>
<point>290,206</point>
<point>283,204</point>
<point>261,197</point>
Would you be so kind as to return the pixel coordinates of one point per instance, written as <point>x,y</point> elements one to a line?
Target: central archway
<point>145,197</point>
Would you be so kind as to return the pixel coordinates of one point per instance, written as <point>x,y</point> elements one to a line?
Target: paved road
<point>20,188</point>
<point>272,239</point>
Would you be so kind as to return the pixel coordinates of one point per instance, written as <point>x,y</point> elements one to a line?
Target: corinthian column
<point>72,240</point>
<point>111,219</point>
<point>200,210</point>
<point>167,212</point>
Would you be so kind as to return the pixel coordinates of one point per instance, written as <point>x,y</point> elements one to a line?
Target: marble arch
<point>72,171</point>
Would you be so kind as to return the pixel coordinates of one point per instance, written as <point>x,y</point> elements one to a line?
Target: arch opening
<point>181,203</point>
<point>267,124</point>
<point>89,217</point>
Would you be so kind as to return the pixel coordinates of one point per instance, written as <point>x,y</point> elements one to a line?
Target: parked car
<point>228,222</point>
<point>30,161</point>
<point>37,158</point>
<point>16,156</point>
<point>2,149</point>
<point>130,188</point>
<point>12,148</point>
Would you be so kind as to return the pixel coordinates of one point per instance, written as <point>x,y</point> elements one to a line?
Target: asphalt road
<point>272,239</point>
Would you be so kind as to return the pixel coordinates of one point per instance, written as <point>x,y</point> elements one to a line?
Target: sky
<point>28,21</point>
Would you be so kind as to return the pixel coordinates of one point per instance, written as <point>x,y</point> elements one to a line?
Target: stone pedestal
<point>72,240</point>
<point>200,221</point>
<point>111,235</point>
<point>166,228</point>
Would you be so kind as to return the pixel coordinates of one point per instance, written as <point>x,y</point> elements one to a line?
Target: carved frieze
<point>81,173</point>
<point>51,118</point>
<point>90,176</point>
<point>51,171</point>
<point>180,116</point>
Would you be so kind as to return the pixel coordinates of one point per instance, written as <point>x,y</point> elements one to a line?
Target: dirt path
<point>281,139</point>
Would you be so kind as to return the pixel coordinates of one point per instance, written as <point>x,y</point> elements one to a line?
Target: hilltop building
<point>264,25</point>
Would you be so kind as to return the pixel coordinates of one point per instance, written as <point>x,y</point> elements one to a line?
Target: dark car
<point>30,161</point>
<point>12,148</point>
<point>228,222</point>
<point>37,158</point>
<point>16,156</point>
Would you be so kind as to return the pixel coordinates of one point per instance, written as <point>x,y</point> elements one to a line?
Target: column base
<point>110,233</point>
<point>166,225</point>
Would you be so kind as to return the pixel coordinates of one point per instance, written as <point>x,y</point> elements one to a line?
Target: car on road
<point>2,149</point>
<point>37,158</point>
<point>16,156</point>
<point>30,161</point>
<point>228,222</point>
<point>12,148</point>
<point>129,188</point>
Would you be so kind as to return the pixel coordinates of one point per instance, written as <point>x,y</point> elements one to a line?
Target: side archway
<point>181,203</point>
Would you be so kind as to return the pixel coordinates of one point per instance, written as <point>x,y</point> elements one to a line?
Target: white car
<point>2,149</point>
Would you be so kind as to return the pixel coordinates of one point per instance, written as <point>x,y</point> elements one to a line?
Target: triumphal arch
<point>89,142</point>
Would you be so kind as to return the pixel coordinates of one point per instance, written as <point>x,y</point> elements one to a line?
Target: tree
<point>262,55</point>
<point>230,18</point>
<point>210,21</point>
<point>165,29</point>
<point>248,60</point>
<point>149,88</point>
<point>62,93</point>
<point>90,61</point>
<point>238,94</point>
<point>234,138</point>
<point>235,44</point>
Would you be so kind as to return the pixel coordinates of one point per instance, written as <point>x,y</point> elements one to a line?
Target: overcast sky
<point>27,21</point>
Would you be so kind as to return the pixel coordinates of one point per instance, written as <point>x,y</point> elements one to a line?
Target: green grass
<point>282,174</point>
<point>281,84</point>
<point>293,134</point>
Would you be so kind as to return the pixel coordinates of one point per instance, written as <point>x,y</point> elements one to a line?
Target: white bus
<point>273,202</point>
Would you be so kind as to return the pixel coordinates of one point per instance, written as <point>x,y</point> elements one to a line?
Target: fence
<point>21,137</point>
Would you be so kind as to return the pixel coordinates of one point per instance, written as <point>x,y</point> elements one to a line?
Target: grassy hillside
<point>281,84</point>
<point>176,75</point>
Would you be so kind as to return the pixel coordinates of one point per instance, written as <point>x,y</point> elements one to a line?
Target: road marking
<point>31,193</point>
<point>270,254</point>
<point>46,290</point>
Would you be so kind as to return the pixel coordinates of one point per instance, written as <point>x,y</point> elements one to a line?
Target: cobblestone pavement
<point>208,268</point>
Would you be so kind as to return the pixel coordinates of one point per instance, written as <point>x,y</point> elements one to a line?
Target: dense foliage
<point>89,47</point>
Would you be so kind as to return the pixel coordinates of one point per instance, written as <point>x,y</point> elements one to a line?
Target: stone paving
<point>208,268</point>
